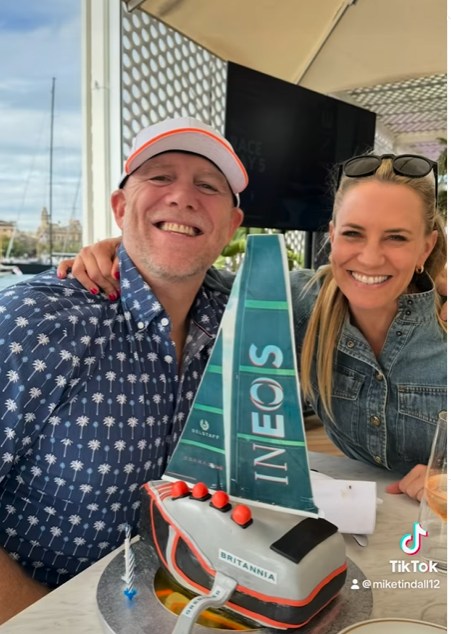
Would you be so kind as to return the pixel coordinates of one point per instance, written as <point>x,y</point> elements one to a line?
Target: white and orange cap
<point>187,134</point>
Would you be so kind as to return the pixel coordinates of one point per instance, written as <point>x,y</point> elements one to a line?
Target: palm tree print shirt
<point>93,405</point>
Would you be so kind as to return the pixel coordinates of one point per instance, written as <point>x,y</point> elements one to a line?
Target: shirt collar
<point>136,295</point>
<point>138,298</point>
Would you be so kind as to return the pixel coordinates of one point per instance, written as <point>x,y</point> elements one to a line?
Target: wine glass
<point>433,512</point>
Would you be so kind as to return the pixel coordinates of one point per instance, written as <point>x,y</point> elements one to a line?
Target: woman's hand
<point>411,484</point>
<point>96,267</point>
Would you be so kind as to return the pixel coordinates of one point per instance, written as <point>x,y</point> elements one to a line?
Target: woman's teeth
<point>369,279</point>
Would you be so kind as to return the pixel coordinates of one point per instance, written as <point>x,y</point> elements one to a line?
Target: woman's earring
<point>419,269</point>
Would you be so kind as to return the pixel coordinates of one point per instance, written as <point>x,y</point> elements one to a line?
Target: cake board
<point>146,615</point>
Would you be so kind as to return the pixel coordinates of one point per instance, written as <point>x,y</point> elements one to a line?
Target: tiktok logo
<point>411,542</point>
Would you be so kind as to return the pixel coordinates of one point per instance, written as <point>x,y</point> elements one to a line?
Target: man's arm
<point>17,589</point>
<point>26,324</point>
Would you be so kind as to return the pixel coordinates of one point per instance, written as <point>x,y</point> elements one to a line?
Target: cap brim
<point>196,141</point>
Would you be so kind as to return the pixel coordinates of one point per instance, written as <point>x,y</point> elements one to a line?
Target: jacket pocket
<point>347,383</point>
<point>418,410</point>
<point>346,404</point>
<point>423,402</point>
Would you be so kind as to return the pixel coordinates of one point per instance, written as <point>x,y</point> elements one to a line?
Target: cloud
<point>39,41</point>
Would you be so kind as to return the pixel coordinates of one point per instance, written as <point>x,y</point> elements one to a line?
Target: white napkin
<point>349,504</point>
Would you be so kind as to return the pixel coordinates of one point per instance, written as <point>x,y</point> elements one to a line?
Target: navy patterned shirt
<point>92,406</point>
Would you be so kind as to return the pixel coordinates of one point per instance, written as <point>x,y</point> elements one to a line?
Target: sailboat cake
<point>234,519</point>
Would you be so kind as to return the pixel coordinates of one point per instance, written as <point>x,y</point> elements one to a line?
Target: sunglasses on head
<point>409,165</point>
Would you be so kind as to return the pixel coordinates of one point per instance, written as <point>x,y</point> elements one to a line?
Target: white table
<point>72,608</point>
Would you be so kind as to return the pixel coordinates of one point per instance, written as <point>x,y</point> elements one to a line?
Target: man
<point>96,391</point>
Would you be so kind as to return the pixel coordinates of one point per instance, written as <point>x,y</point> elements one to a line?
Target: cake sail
<point>245,432</point>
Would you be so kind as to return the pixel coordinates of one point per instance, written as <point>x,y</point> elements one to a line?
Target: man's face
<point>176,213</point>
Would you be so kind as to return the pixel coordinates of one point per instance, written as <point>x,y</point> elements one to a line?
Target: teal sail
<point>245,432</point>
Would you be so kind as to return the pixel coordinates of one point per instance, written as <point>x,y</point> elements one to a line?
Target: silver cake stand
<point>144,614</point>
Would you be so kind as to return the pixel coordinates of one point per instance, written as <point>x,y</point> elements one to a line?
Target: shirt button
<point>408,312</point>
<point>375,421</point>
<point>410,302</point>
<point>350,344</point>
<point>164,321</point>
<point>141,325</point>
<point>378,459</point>
<point>379,376</point>
<point>398,333</point>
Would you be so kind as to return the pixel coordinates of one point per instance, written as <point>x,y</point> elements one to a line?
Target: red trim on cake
<point>258,616</point>
<point>154,536</point>
<point>157,495</point>
<point>211,571</point>
<point>302,602</point>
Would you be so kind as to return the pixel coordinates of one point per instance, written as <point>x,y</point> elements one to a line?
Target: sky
<point>39,40</point>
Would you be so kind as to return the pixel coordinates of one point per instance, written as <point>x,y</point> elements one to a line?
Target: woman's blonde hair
<point>331,307</point>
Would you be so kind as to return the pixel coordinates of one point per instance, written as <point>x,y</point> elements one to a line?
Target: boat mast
<point>52,112</point>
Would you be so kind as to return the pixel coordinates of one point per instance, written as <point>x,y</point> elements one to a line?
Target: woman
<point>373,360</point>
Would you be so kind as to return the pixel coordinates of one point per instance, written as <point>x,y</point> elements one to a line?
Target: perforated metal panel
<point>164,74</point>
<point>413,110</point>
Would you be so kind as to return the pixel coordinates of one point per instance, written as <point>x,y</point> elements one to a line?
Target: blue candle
<point>129,576</point>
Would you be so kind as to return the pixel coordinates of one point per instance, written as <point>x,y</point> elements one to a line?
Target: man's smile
<point>175,227</point>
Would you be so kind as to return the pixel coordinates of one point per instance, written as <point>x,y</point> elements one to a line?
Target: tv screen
<point>290,138</point>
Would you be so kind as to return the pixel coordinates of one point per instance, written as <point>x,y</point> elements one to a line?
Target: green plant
<point>232,253</point>
<point>442,179</point>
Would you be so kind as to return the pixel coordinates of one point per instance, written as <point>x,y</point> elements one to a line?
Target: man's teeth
<point>176,228</point>
<point>370,279</point>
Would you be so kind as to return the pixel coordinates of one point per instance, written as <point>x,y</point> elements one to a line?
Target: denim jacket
<point>385,409</point>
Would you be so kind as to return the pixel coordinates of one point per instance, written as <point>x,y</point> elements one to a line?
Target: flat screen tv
<point>290,138</point>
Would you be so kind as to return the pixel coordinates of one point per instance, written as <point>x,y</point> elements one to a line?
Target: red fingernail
<point>112,296</point>
<point>94,291</point>
<point>58,274</point>
<point>117,275</point>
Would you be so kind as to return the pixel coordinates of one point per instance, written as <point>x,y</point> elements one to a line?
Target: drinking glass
<point>433,515</point>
